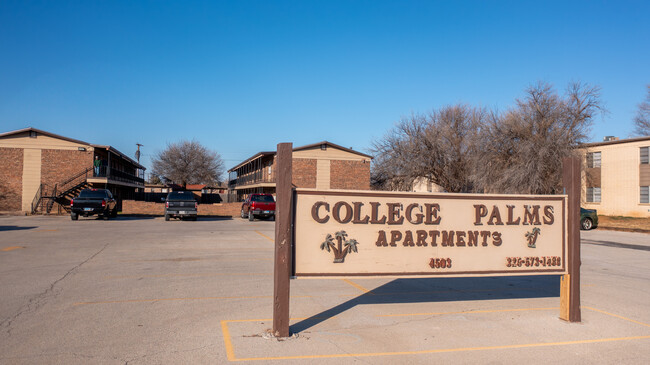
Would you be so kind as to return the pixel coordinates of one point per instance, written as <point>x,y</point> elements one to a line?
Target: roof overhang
<point>112,149</point>
<point>115,151</point>
<point>269,153</point>
<point>618,141</point>
<point>32,129</point>
<point>253,158</point>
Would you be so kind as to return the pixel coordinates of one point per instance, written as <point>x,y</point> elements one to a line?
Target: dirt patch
<point>629,224</point>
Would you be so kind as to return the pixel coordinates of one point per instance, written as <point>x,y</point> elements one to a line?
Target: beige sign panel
<point>340,233</point>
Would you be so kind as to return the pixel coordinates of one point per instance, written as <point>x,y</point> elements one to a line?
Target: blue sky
<point>242,76</point>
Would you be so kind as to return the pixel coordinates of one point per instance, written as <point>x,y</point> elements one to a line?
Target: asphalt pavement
<point>144,291</point>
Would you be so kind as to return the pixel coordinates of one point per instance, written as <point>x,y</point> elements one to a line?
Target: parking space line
<point>231,353</point>
<point>366,291</point>
<point>190,260</point>
<point>468,312</point>
<point>265,236</point>
<point>616,315</point>
<point>422,352</point>
<point>513,289</point>
<point>178,299</point>
<point>187,275</point>
<point>11,248</point>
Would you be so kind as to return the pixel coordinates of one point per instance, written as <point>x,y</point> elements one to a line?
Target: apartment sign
<point>341,234</point>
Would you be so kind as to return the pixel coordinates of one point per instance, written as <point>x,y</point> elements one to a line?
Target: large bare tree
<point>438,146</point>
<point>188,162</point>
<point>522,150</point>
<point>467,149</point>
<point>642,117</point>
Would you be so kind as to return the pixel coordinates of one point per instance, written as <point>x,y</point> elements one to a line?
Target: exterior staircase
<point>62,193</point>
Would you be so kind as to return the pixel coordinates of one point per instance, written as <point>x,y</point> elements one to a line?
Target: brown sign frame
<point>474,273</point>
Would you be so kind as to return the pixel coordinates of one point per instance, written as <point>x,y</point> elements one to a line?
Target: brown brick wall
<point>150,208</point>
<point>304,173</point>
<point>351,175</point>
<point>11,179</point>
<point>60,165</point>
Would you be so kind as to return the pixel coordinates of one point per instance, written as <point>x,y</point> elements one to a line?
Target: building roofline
<point>29,129</point>
<point>117,152</point>
<point>618,141</point>
<point>267,153</point>
<point>254,157</point>
<point>333,145</point>
<point>112,149</point>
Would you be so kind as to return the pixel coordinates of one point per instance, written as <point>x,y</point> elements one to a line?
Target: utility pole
<point>137,153</point>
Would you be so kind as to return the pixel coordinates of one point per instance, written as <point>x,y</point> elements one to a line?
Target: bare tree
<point>522,150</point>
<point>392,166</point>
<point>642,118</point>
<point>438,146</point>
<point>154,179</point>
<point>188,162</point>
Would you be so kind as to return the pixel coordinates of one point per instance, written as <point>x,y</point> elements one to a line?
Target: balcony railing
<point>255,177</point>
<point>117,175</point>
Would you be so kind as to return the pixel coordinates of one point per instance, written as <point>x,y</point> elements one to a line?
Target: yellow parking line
<point>231,353</point>
<point>192,260</point>
<point>174,299</point>
<point>186,275</point>
<point>483,348</point>
<point>443,291</point>
<point>11,248</point>
<point>468,312</point>
<point>617,316</point>
<point>265,236</point>
<point>358,286</point>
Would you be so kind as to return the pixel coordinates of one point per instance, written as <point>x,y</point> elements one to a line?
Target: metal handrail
<point>37,198</point>
<point>50,204</point>
<point>115,174</point>
<point>78,175</point>
<point>259,176</point>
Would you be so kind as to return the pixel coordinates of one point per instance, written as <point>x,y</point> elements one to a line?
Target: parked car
<point>93,201</point>
<point>258,205</point>
<point>181,204</point>
<point>588,219</point>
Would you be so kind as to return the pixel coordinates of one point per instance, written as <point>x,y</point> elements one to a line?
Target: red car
<point>258,205</point>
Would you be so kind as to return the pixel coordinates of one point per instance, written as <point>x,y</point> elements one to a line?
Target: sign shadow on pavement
<point>432,290</point>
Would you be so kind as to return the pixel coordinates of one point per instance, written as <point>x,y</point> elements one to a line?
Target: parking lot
<point>142,290</point>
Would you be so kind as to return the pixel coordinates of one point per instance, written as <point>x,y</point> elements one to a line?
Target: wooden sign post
<point>283,240</point>
<point>570,286</point>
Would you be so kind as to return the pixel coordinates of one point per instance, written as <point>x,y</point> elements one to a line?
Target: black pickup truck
<point>181,204</point>
<point>91,202</point>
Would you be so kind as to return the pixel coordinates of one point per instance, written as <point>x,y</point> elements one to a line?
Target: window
<point>593,159</point>
<point>645,155</point>
<point>645,194</point>
<point>593,195</point>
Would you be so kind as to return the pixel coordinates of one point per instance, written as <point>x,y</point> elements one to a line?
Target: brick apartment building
<point>616,180</point>
<point>321,165</point>
<point>41,171</point>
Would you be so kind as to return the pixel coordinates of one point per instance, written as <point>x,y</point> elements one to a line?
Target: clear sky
<point>242,76</point>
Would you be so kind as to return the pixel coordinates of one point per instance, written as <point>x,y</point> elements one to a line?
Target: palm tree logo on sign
<point>342,248</point>
<point>532,237</point>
